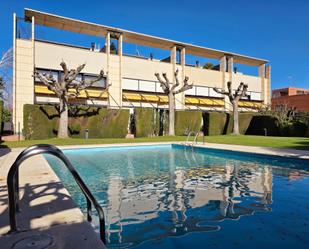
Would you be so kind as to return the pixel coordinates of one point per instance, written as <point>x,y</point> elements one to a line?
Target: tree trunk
<point>63,121</point>
<point>171,116</point>
<point>235,116</point>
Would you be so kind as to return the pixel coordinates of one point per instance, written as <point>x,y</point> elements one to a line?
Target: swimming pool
<point>169,196</point>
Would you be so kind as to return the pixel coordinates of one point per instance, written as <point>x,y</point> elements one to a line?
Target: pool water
<point>169,196</point>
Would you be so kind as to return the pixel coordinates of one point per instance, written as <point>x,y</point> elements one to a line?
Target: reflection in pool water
<point>171,197</point>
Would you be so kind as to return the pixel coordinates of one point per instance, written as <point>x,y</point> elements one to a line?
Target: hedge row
<point>216,123</point>
<point>1,117</point>
<point>146,121</point>
<point>219,123</point>
<point>186,121</point>
<point>41,122</point>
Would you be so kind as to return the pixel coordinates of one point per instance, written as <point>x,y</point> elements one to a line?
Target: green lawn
<point>275,142</point>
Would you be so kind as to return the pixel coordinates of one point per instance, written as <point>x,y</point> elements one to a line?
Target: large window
<point>57,75</point>
<point>54,73</point>
<point>203,91</point>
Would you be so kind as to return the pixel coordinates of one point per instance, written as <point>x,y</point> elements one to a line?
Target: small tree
<point>67,87</point>
<point>170,90</point>
<point>240,92</point>
<point>208,65</point>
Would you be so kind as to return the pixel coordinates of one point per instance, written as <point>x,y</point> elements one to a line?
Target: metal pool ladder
<point>13,185</point>
<point>195,137</point>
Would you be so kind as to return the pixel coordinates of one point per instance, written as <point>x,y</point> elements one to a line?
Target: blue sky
<point>276,30</point>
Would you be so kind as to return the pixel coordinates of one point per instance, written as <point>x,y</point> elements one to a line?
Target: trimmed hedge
<point>147,122</point>
<point>108,124</point>
<point>186,121</point>
<point>215,123</point>
<point>41,122</point>
<point>219,123</point>
<point>244,120</point>
<point>1,117</point>
<point>261,122</point>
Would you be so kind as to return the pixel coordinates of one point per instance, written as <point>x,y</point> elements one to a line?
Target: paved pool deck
<point>47,207</point>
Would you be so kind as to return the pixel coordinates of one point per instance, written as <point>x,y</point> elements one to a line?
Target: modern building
<point>132,77</point>
<point>290,97</point>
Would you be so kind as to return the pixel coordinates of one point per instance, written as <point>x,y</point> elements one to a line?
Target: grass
<point>300,143</point>
<point>274,142</point>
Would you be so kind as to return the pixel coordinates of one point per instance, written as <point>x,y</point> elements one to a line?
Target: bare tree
<point>6,69</point>
<point>67,87</point>
<point>169,89</point>
<point>240,92</point>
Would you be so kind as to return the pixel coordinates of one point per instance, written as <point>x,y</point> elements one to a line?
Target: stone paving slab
<point>46,208</point>
<point>292,153</point>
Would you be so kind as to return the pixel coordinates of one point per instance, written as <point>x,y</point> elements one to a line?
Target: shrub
<point>41,122</point>
<point>244,120</point>
<point>259,123</point>
<point>214,123</point>
<point>147,122</point>
<point>186,121</point>
<point>109,124</point>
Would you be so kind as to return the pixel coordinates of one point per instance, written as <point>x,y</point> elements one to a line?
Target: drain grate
<point>39,241</point>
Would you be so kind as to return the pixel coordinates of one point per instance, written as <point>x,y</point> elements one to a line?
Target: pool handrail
<point>13,185</point>
<point>196,134</point>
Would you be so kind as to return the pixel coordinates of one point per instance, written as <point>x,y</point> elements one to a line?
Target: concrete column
<point>230,64</point>
<point>225,79</point>
<point>33,46</point>
<point>114,68</point>
<point>179,98</point>
<point>120,41</point>
<point>14,73</point>
<point>262,72</point>
<point>268,84</point>
<point>23,82</point>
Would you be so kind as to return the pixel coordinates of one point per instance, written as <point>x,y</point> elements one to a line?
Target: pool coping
<point>269,151</point>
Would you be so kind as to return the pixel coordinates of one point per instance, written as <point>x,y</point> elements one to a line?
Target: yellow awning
<point>83,94</point>
<point>204,101</point>
<point>248,104</point>
<point>144,97</point>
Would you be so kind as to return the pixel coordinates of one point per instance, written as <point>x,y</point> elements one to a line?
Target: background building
<point>131,76</point>
<point>290,97</point>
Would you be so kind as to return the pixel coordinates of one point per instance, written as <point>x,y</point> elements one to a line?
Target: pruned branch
<point>72,74</point>
<point>84,84</point>
<point>163,84</point>
<point>176,79</point>
<point>185,87</point>
<point>217,90</point>
<point>240,92</point>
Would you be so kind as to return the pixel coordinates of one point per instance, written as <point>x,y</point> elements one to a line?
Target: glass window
<point>78,77</point>
<point>191,91</point>
<point>47,72</point>
<point>213,93</point>
<point>147,86</point>
<point>129,84</point>
<point>100,83</point>
<point>202,91</point>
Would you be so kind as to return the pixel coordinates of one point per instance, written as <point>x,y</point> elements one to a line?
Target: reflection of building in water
<point>217,189</point>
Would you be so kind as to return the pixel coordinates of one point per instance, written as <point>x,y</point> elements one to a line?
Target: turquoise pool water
<point>171,197</point>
